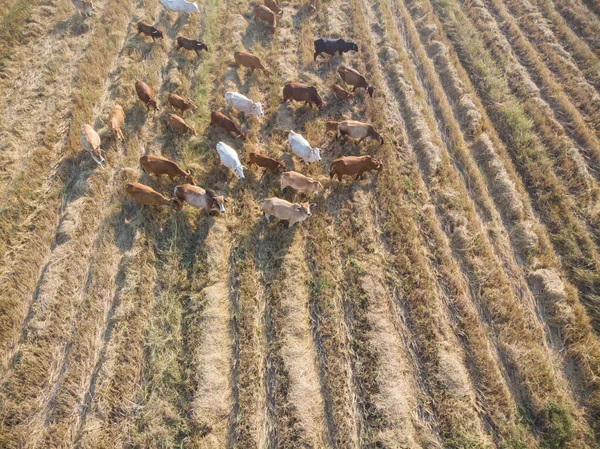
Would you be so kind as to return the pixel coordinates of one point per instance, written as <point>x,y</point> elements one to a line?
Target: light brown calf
<point>147,196</point>
<point>159,165</point>
<point>178,125</point>
<point>298,181</point>
<point>115,121</point>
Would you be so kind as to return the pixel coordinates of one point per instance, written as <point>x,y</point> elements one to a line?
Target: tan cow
<point>284,210</point>
<point>357,130</point>
<point>266,15</point>
<point>249,60</point>
<point>159,165</point>
<point>354,79</point>
<point>354,166</point>
<point>183,104</point>
<point>115,121</point>
<point>201,198</point>
<point>177,124</point>
<point>341,93</point>
<point>90,141</point>
<point>144,93</point>
<point>147,196</point>
<point>83,7</point>
<point>298,181</point>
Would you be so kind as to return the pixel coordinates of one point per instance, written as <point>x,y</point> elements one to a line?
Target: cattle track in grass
<point>449,301</point>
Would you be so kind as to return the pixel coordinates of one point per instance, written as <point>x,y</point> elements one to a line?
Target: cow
<point>149,30</point>
<point>180,6</point>
<point>183,104</point>
<point>222,121</point>
<point>144,93</point>
<point>354,79</point>
<point>90,141</point>
<point>201,198</point>
<point>341,93</point>
<point>178,125</point>
<point>333,46</point>
<point>230,159</point>
<point>273,6</point>
<point>298,181</point>
<point>284,210</point>
<point>191,44</point>
<point>331,126</point>
<point>249,60</point>
<point>302,148</point>
<point>356,130</point>
<point>301,92</point>
<point>243,104</point>
<point>159,165</point>
<point>266,15</point>
<point>147,196</point>
<point>354,166</point>
<point>115,121</point>
<point>83,7</point>
<point>260,160</point>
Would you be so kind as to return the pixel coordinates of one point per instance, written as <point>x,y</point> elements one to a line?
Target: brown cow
<point>147,196</point>
<point>183,104</point>
<point>178,125</point>
<point>191,44</point>
<point>298,181</point>
<point>260,160</point>
<point>144,93</point>
<point>284,210</point>
<point>273,6</point>
<point>341,93</point>
<point>222,121</point>
<point>357,130</point>
<point>354,165</point>
<point>115,121</point>
<point>201,198</point>
<point>159,165</point>
<point>149,30</point>
<point>249,60</point>
<point>355,79</point>
<point>301,92</point>
<point>266,15</point>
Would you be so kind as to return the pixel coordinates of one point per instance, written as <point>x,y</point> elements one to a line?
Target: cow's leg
<point>339,176</point>
<point>359,141</point>
<point>354,88</point>
<point>268,217</point>
<point>315,56</point>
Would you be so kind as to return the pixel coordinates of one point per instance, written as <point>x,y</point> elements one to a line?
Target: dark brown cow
<point>301,92</point>
<point>147,196</point>
<point>249,60</point>
<point>178,125</point>
<point>341,93</point>
<point>144,93</point>
<point>273,6</point>
<point>265,15</point>
<point>159,165</point>
<point>183,104</point>
<point>260,160</point>
<point>149,30</point>
<point>222,121</point>
<point>191,44</point>
<point>354,79</point>
<point>354,166</point>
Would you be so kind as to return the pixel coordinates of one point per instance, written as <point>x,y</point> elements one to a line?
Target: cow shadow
<point>75,26</point>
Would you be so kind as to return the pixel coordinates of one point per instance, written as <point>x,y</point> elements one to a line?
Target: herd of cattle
<point>207,198</point>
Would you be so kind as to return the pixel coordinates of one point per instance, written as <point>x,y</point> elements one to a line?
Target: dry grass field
<point>451,300</point>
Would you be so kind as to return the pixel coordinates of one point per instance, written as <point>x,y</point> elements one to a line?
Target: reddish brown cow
<point>191,44</point>
<point>273,6</point>
<point>354,166</point>
<point>149,30</point>
<point>144,93</point>
<point>266,15</point>
<point>183,104</point>
<point>222,121</point>
<point>249,60</point>
<point>260,160</point>
<point>301,92</point>
<point>178,125</point>
<point>341,93</point>
<point>159,165</point>
<point>147,196</point>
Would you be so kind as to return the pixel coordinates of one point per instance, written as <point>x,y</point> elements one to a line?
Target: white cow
<point>302,148</point>
<point>243,104</point>
<point>180,6</point>
<point>90,141</point>
<point>230,159</point>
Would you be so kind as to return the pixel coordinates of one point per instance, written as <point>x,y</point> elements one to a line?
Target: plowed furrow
<point>585,25</point>
<point>593,5</point>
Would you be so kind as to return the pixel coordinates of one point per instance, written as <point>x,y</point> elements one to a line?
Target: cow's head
<point>239,171</point>
<point>352,46</point>
<point>202,46</point>
<point>218,201</point>
<point>281,165</point>
<point>190,104</point>
<point>188,7</point>
<point>371,90</point>
<point>303,209</point>
<point>175,204</point>
<point>376,163</point>
<point>158,34</point>
<point>191,130</point>
<point>189,179</point>
<point>88,7</point>
<point>317,187</point>
<point>257,109</point>
<point>315,155</point>
<point>154,104</point>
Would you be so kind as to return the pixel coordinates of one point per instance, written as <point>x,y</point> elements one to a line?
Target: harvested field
<point>450,300</point>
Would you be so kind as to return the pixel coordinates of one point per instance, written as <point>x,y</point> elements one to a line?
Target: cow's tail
<point>331,172</point>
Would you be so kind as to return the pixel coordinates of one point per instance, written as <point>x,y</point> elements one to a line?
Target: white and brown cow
<point>284,210</point>
<point>201,198</point>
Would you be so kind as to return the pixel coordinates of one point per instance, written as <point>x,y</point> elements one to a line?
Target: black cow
<point>331,46</point>
<point>149,30</point>
<point>191,44</point>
